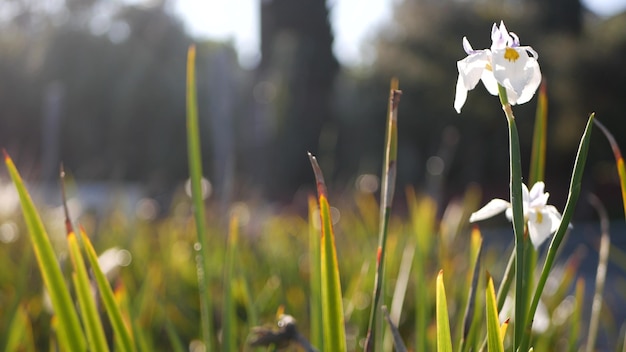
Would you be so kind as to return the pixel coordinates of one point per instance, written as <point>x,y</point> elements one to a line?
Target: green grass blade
<point>619,160</point>
<point>423,219</point>
<point>373,341</point>
<point>332,305</point>
<point>20,333</point>
<point>603,259</point>
<point>577,314</point>
<point>229,335</point>
<point>195,172</point>
<point>538,152</point>
<point>397,339</point>
<point>177,345</point>
<point>470,308</point>
<point>122,334</point>
<point>444,340</point>
<point>572,199</point>
<point>315,298</point>
<point>86,301</point>
<point>495,341</point>
<point>68,322</point>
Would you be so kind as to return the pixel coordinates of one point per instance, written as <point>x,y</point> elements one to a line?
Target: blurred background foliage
<point>99,85</point>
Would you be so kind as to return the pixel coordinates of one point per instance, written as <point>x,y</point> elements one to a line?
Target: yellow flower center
<point>511,54</point>
<point>539,217</point>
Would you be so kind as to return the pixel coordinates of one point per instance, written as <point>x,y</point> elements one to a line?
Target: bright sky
<point>353,21</point>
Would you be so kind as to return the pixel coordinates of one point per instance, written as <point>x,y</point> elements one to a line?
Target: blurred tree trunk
<point>292,92</point>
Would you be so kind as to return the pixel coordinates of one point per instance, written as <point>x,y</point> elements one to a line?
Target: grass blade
<point>332,306</point>
<point>20,333</point>
<point>229,317</point>
<point>538,152</point>
<point>86,301</point>
<point>373,341</point>
<point>495,342</point>
<point>195,173</point>
<point>470,308</point>
<point>619,160</point>
<point>572,199</point>
<point>444,340</point>
<point>122,333</point>
<point>315,299</point>
<point>68,322</point>
<point>577,314</point>
<point>603,259</point>
<point>397,339</point>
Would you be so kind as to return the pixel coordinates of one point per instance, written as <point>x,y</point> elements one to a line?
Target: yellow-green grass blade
<point>315,299</point>
<point>332,305</point>
<point>570,205</point>
<point>195,173</point>
<point>495,342</point>
<point>619,160</point>
<point>444,340</point>
<point>91,318</point>
<point>68,322</point>
<point>122,333</point>
<point>470,309</point>
<point>423,214</point>
<point>373,340</point>
<point>229,335</point>
<point>20,333</point>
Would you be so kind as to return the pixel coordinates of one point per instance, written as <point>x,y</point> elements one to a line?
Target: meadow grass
<point>196,282</point>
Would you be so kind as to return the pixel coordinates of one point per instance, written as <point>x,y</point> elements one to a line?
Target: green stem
<point>518,218</point>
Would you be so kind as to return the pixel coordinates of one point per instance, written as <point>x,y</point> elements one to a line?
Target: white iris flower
<point>507,63</point>
<point>542,220</point>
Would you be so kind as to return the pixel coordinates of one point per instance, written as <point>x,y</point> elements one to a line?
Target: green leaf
<point>68,323</point>
<point>122,334</point>
<point>195,172</point>
<point>332,306</point>
<point>572,199</point>
<point>444,340</point>
<point>495,342</point>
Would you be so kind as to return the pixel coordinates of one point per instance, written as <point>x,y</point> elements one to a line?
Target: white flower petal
<point>525,195</point>
<point>489,81</point>
<point>471,68</point>
<point>537,190</point>
<point>540,227</point>
<point>461,94</point>
<point>535,81</point>
<point>516,71</point>
<point>494,207</point>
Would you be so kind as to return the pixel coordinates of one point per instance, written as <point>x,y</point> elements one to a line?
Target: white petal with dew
<point>494,207</point>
